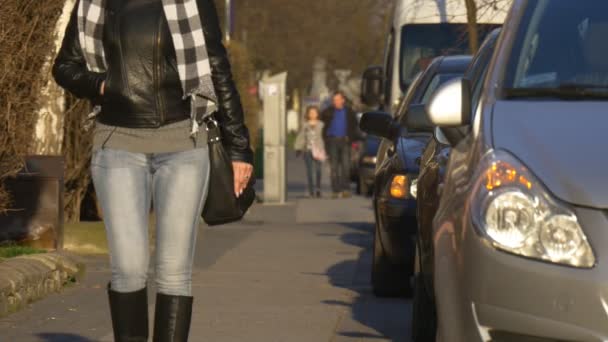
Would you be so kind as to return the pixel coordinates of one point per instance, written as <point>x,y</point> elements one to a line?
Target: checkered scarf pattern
<point>190,48</point>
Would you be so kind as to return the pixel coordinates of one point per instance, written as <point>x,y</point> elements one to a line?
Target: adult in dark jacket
<point>154,69</point>
<point>339,131</point>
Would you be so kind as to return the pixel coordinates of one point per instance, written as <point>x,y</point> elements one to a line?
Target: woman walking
<point>310,142</point>
<point>155,70</point>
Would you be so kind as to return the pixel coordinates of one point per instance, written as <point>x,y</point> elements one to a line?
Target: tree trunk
<point>472,25</point>
<point>48,136</point>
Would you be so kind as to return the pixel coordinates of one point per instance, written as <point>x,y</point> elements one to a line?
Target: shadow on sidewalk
<point>60,337</point>
<point>371,318</point>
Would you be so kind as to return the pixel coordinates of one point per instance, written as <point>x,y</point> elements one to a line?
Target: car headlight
<point>414,188</point>
<point>516,214</point>
<point>369,159</point>
<point>399,186</point>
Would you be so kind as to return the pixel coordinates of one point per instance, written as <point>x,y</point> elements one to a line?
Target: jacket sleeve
<point>70,70</point>
<point>231,116</point>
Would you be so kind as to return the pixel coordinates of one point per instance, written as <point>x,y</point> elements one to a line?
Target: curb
<point>28,278</point>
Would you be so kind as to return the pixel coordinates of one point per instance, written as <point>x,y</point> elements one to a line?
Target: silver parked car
<point>521,232</point>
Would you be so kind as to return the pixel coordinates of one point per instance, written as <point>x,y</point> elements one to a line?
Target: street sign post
<point>275,132</point>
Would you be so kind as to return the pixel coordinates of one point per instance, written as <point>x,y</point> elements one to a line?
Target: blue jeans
<point>339,158</point>
<point>177,184</point>
<point>313,171</point>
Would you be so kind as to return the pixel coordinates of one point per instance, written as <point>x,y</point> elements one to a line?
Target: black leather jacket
<point>142,86</point>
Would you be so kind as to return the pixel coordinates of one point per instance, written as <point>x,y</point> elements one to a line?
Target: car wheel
<point>424,316</point>
<point>389,280</point>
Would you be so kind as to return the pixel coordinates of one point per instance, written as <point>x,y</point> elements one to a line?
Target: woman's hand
<point>103,87</point>
<point>242,174</point>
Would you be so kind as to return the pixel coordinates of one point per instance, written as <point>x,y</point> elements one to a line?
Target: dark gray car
<point>521,233</point>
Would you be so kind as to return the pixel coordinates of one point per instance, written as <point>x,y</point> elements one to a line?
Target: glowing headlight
<point>414,188</point>
<point>510,219</point>
<point>512,209</point>
<point>399,186</point>
<point>369,160</point>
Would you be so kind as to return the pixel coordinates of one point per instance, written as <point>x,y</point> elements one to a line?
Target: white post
<point>275,180</point>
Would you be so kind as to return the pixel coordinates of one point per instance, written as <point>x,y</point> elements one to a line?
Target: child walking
<point>309,142</point>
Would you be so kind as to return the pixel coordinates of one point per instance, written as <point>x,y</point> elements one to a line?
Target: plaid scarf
<point>189,41</point>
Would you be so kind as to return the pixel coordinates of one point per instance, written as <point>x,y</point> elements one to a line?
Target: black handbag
<point>222,206</point>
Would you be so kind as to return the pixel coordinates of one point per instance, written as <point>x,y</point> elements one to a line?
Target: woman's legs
<point>310,171</point>
<point>122,184</point>
<point>318,171</point>
<point>180,187</point>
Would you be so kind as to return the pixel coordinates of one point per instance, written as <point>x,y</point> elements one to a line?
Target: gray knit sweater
<point>174,137</point>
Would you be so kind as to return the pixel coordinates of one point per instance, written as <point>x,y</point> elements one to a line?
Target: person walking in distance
<point>309,142</point>
<point>155,71</point>
<point>339,132</point>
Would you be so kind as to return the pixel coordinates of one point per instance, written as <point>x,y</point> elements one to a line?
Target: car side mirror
<point>380,124</point>
<point>371,86</point>
<point>416,118</point>
<point>450,106</point>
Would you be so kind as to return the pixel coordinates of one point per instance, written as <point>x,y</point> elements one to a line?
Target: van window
<point>421,43</point>
<point>560,46</point>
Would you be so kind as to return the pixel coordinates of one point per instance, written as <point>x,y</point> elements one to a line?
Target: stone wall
<point>26,279</point>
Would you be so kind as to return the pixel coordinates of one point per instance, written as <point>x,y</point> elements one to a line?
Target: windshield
<point>421,43</point>
<point>436,82</point>
<point>560,50</point>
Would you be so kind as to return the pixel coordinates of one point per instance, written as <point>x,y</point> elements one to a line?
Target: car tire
<point>424,315</point>
<point>389,280</point>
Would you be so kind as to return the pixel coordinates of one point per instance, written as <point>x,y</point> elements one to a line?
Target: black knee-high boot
<point>172,318</point>
<point>129,315</point>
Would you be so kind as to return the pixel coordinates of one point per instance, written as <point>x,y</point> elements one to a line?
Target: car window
<point>435,83</point>
<point>479,68</point>
<point>477,90</point>
<point>421,43</point>
<point>560,45</point>
<point>409,95</point>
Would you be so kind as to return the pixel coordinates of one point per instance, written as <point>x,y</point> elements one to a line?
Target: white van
<point>424,29</point>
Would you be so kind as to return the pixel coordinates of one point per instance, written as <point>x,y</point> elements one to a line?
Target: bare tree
<point>26,36</point>
<point>288,35</point>
<point>480,9</point>
<point>48,135</point>
<point>472,25</point>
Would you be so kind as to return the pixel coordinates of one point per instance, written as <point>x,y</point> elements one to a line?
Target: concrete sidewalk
<point>298,272</point>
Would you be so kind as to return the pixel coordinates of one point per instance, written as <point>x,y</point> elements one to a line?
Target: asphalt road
<point>298,272</point>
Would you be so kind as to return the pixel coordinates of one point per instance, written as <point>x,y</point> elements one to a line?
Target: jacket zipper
<point>157,72</point>
<point>116,33</point>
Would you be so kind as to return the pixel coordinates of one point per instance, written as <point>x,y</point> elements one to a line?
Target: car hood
<point>562,143</point>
